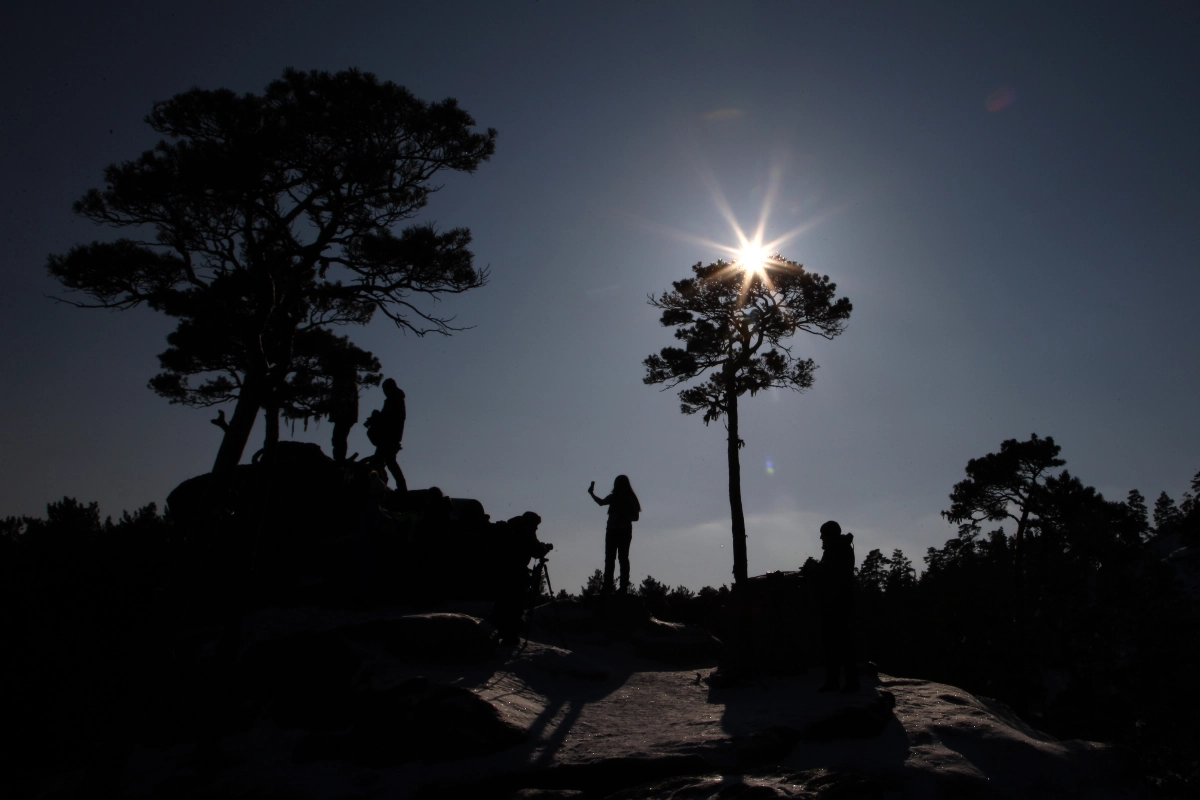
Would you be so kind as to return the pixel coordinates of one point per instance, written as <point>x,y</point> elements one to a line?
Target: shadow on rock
<point>414,721</point>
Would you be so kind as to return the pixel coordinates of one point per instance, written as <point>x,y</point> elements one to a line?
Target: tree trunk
<point>281,354</point>
<point>1019,570</point>
<point>735,487</point>
<point>238,432</point>
<point>271,421</point>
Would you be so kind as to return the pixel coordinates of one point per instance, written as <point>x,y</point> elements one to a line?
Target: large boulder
<point>299,527</point>
<point>773,625</point>
<point>435,638</point>
<point>676,643</point>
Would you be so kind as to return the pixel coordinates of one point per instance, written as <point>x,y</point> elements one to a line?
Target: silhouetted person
<point>835,598</point>
<point>343,411</point>
<point>623,510</point>
<point>513,543</point>
<point>385,429</point>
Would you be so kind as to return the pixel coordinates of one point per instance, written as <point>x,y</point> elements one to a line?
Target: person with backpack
<point>623,510</point>
<point>385,430</point>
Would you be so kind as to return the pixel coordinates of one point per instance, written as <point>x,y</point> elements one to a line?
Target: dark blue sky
<point>1010,196</point>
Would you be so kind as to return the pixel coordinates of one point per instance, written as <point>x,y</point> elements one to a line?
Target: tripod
<point>539,573</point>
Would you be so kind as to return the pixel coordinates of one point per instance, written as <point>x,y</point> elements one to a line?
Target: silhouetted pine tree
<point>1166,514</point>
<point>261,218</point>
<point>733,319</point>
<point>1006,485</point>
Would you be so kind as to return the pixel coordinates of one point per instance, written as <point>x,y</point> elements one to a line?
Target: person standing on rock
<point>623,510</point>
<point>385,429</point>
<point>343,411</point>
<point>835,598</point>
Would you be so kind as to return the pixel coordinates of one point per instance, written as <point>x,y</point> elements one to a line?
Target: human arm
<point>599,502</point>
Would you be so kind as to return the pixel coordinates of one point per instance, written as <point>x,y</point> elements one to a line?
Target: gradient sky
<point>1009,193</point>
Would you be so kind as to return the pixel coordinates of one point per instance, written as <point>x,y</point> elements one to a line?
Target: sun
<point>752,257</point>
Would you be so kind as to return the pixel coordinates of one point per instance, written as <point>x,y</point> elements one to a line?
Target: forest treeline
<point>1097,638</point>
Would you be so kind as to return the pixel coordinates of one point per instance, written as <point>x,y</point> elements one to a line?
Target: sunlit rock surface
<point>341,704</point>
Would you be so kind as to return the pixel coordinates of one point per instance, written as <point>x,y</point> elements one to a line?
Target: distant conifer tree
<point>873,572</point>
<point>1006,485</point>
<point>1139,516</point>
<point>594,585</point>
<point>1166,513</point>
<point>901,575</point>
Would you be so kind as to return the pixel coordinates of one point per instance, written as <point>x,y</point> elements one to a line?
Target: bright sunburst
<point>753,258</point>
<point>752,255</point>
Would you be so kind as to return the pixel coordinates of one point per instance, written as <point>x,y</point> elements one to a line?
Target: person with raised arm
<point>624,509</point>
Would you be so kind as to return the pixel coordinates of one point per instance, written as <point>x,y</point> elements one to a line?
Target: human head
<point>390,388</point>
<point>621,484</point>
<point>830,532</point>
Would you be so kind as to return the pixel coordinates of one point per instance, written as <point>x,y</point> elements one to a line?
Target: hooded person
<point>835,599</point>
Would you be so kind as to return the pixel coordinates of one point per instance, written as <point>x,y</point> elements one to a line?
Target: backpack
<point>374,430</point>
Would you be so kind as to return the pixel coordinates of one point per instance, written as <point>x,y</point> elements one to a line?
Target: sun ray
<point>751,255</point>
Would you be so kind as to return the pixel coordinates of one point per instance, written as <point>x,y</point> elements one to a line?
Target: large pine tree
<point>260,219</point>
<point>733,319</point>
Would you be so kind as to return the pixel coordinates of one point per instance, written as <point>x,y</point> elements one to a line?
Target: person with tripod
<point>624,509</point>
<point>514,542</point>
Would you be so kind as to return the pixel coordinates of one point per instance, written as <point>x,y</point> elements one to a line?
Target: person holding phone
<point>624,509</point>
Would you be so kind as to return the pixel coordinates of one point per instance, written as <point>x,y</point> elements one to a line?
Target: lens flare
<point>1000,99</point>
<point>770,467</point>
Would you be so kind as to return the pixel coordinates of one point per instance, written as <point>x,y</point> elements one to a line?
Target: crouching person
<point>514,543</point>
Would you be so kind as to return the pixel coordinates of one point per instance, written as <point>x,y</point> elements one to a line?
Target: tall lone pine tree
<point>261,221</point>
<point>733,319</point>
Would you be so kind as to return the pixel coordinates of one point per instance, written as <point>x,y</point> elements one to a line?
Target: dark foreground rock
<point>297,527</point>
<point>413,721</point>
<point>381,704</point>
<point>763,785</point>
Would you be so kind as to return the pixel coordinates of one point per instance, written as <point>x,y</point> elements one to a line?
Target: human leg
<point>623,555</point>
<point>610,557</point>
<point>388,457</point>
<point>849,657</point>
<point>831,653</point>
<point>341,433</point>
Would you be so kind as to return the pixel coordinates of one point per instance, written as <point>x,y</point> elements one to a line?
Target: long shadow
<point>785,720</point>
<point>564,692</point>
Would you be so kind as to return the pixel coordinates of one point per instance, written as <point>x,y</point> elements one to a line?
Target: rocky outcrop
<point>298,527</point>
<point>623,617</point>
